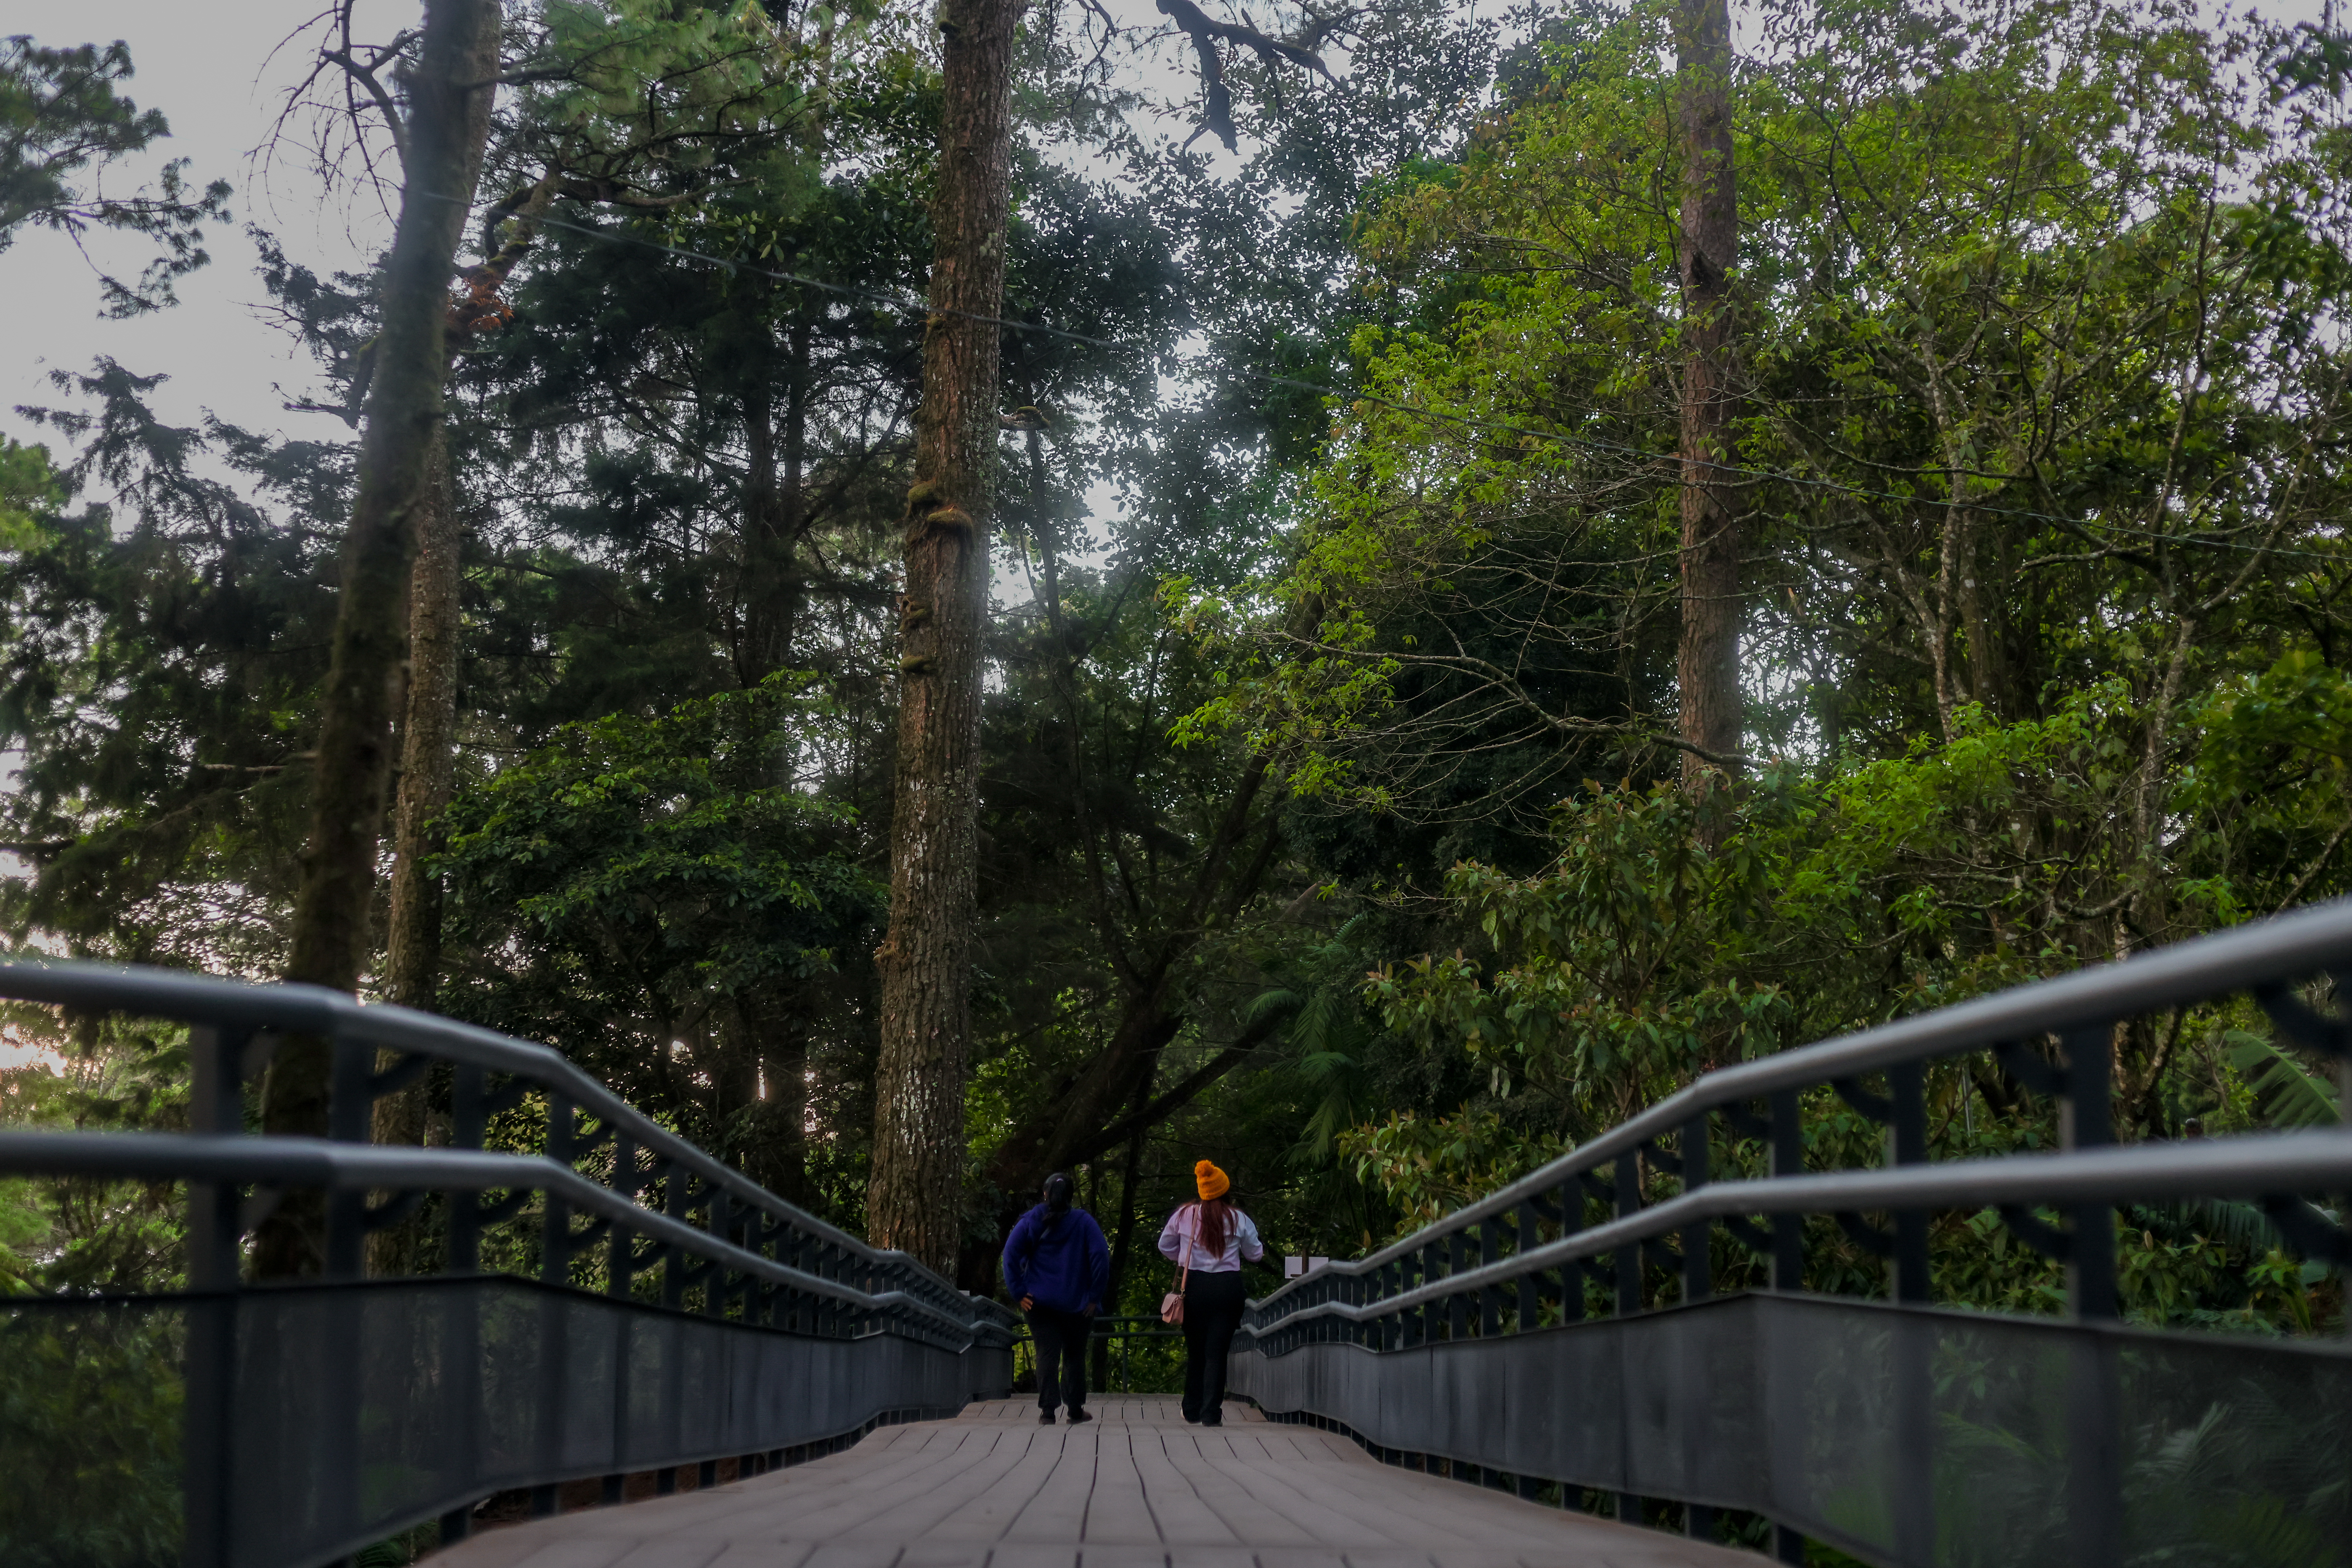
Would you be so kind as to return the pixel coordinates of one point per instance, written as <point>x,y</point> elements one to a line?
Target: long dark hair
<point>1216,1223</point>
<point>1058,1191</point>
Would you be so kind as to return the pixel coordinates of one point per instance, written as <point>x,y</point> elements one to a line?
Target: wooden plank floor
<point>1136,1488</point>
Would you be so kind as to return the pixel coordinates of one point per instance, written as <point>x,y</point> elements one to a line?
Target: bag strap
<point>1186,1272</point>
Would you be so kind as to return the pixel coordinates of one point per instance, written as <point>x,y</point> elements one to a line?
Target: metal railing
<point>801,1332</point>
<point>1103,1330</point>
<point>1528,1259</point>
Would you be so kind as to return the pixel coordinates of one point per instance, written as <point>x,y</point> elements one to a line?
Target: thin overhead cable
<point>912,306</point>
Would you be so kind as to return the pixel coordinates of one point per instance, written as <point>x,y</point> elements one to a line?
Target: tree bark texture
<point>915,1199</point>
<point>447,123</point>
<point>427,740</point>
<point>427,770</point>
<point>1708,661</point>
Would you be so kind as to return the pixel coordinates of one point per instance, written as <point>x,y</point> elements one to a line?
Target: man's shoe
<point>1045,1418</point>
<point>1078,1415</point>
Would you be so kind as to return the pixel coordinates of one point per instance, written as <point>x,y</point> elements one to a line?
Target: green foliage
<point>159,661</point>
<point>62,125</point>
<point>2288,1095</point>
<point>89,1432</point>
<point>29,491</point>
<point>1427,1167</point>
<point>1677,932</point>
<point>665,900</point>
<point>70,1236</point>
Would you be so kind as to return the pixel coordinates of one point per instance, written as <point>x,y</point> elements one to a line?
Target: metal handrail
<point>2264,958</point>
<point>362,1167</point>
<point>228,1014</point>
<point>2258,1166</point>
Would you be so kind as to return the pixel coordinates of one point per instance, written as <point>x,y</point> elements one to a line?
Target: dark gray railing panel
<point>317,1419</point>
<point>1909,1437</point>
<point>358,1411</point>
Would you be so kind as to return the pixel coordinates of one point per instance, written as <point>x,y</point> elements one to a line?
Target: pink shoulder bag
<point>1172,1305</point>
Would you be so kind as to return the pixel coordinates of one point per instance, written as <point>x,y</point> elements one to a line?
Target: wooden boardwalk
<point>1136,1488</point>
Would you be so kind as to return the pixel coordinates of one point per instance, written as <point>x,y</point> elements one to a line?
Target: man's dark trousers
<point>1060,1339</point>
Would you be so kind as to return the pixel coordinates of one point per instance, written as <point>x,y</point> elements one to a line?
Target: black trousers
<point>1212,1311</point>
<point>1060,1340</point>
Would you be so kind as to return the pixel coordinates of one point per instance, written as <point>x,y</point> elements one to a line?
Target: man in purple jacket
<point>1057,1266</point>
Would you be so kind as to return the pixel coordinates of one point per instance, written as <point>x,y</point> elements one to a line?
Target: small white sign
<point>1293,1266</point>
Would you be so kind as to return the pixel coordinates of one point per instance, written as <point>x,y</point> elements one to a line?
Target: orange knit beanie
<point>1212,1181</point>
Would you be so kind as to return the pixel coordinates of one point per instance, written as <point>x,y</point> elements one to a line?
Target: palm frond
<point>2286,1094</point>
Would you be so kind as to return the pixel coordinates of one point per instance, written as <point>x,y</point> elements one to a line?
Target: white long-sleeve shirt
<point>1180,1242</point>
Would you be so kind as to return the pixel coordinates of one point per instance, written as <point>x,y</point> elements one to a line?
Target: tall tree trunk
<point>428,740</point>
<point>427,755</point>
<point>1708,661</point>
<point>915,1199</point>
<point>447,124</point>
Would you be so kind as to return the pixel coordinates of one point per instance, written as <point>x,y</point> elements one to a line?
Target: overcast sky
<point>210,69</point>
<point>204,65</point>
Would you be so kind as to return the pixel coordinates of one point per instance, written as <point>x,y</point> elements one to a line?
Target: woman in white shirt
<point>1208,1240</point>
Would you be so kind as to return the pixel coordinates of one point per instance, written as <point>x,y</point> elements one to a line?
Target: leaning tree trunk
<point>1707,662</point>
<point>448,122</point>
<point>915,1199</point>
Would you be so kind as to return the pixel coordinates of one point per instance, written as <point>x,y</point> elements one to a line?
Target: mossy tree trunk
<point>915,1199</point>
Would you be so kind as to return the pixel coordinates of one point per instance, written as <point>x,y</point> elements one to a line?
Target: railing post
<point>554,1269</point>
<point>1908,1084</point>
<point>1628,1254</point>
<point>217,1107</point>
<point>1698,1280</point>
<point>1572,1274</point>
<point>1457,1305</point>
<point>350,1118</point>
<point>675,1179</point>
<point>1913,1360</point>
<point>466,1120</point>
<point>2095,1472</point>
<point>2084,1123</point>
<point>620,1242</point>
<point>1421,1324</point>
<point>1788,1160</point>
<point>1530,1237</point>
<point>721,1216</point>
<point>555,1231</point>
<point>461,1327</point>
<point>1490,1297</point>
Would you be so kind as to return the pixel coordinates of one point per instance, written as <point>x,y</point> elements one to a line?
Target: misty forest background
<point>1336,822</point>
